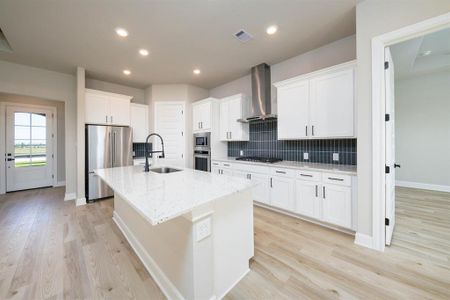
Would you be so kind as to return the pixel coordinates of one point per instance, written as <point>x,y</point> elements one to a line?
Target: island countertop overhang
<point>162,197</point>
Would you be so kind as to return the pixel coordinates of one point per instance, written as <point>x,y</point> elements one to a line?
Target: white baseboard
<point>60,183</point>
<point>423,186</point>
<point>80,201</point>
<point>234,284</point>
<point>70,196</point>
<point>167,287</point>
<point>364,240</point>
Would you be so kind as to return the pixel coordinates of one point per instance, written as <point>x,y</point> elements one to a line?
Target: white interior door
<point>169,123</point>
<point>390,148</point>
<point>29,148</point>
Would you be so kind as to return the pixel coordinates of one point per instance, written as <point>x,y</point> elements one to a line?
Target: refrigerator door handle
<point>114,149</point>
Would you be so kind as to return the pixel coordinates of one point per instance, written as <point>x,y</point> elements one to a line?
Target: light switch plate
<point>305,155</point>
<point>335,156</point>
<point>203,229</point>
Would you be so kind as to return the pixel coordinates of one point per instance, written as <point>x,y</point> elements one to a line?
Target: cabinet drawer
<point>249,168</point>
<point>221,164</point>
<point>337,179</point>
<point>309,175</point>
<point>282,172</point>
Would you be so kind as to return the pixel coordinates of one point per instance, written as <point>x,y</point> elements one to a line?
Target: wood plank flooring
<point>53,250</point>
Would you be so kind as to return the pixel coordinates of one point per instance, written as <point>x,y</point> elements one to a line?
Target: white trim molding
<point>167,287</point>
<point>70,196</point>
<point>363,240</point>
<point>80,201</point>
<point>423,186</point>
<point>379,44</point>
<point>60,183</point>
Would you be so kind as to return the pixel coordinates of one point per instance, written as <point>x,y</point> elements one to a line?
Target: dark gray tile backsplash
<point>263,142</point>
<point>139,149</point>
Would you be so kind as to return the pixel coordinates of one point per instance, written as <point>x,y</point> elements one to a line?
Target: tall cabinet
<point>318,105</point>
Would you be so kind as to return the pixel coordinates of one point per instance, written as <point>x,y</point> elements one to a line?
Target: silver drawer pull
<point>226,165</point>
<point>337,179</point>
<point>280,172</point>
<point>306,175</point>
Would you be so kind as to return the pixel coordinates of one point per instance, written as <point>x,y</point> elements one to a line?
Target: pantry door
<point>29,147</point>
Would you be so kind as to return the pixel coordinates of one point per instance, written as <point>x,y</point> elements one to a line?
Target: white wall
<point>183,93</point>
<point>137,94</point>
<point>28,81</point>
<point>373,18</point>
<point>60,126</point>
<point>422,128</point>
<point>332,54</point>
<point>81,158</point>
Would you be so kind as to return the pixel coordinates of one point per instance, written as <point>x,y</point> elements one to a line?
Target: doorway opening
<point>410,128</point>
<point>30,144</point>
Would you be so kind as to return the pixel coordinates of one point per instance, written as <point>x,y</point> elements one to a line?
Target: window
<point>30,139</point>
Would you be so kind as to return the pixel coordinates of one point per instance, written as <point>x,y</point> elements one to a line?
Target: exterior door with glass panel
<point>29,148</point>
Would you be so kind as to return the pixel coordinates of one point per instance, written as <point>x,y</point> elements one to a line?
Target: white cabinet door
<point>119,110</point>
<point>307,200</point>
<point>241,174</point>
<point>281,192</point>
<point>96,109</point>
<point>205,116</point>
<point>332,105</point>
<point>261,191</point>
<point>293,111</point>
<point>215,170</point>
<point>196,111</point>
<point>224,123</point>
<point>139,122</point>
<point>234,113</point>
<point>337,205</point>
<point>227,172</point>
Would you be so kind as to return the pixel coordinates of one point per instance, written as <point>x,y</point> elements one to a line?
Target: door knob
<point>397,166</point>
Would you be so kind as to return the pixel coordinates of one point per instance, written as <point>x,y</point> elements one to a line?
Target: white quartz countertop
<point>340,169</point>
<point>162,197</point>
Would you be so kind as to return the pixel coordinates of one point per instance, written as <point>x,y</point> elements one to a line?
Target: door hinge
<point>182,112</point>
<point>386,221</point>
<point>53,176</point>
<point>387,117</point>
<point>53,156</point>
<point>386,65</point>
<point>182,133</point>
<point>182,155</point>
<point>387,170</point>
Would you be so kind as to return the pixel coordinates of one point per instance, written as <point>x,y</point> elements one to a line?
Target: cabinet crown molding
<point>293,80</point>
<point>109,94</point>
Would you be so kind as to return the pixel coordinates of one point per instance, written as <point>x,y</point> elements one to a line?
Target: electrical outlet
<point>203,229</point>
<point>335,156</point>
<point>305,155</point>
<point>241,153</point>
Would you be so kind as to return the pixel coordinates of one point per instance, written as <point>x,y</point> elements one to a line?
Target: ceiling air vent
<point>243,36</point>
<point>4,45</point>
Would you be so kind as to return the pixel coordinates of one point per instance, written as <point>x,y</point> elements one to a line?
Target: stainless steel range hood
<point>261,106</point>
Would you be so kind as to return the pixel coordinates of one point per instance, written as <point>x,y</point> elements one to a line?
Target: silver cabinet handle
<point>106,119</point>
<point>317,191</point>
<point>280,172</point>
<point>250,176</point>
<point>336,179</point>
<point>323,192</point>
<point>226,165</point>
<point>231,135</point>
<point>312,129</point>
<point>271,185</point>
<point>306,130</point>
<point>111,119</point>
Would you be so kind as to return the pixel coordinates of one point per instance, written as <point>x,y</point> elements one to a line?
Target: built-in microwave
<point>202,140</point>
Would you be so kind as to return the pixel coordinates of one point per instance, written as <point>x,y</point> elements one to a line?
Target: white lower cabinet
<point>337,204</point>
<point>282,192</point>
<point>322,196</point>
<point>307,199</point>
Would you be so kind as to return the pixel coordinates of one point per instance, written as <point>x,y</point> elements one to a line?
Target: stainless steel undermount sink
<point>164,170</point>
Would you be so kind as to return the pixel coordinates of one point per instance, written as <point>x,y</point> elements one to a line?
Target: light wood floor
<point>52,249</point>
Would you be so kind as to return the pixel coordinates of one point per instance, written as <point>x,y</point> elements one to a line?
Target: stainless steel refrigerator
<point>106,147</point>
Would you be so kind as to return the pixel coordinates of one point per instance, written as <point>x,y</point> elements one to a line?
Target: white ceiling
<point>180,35</point>
<point>409,58</point>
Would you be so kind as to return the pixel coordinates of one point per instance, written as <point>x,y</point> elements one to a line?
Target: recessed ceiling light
<point>121,32</point>
<point>196,71</point>
<point>272,29</point>
<point>143,52</point>
<point>425,53</point>
<point>126,72</point>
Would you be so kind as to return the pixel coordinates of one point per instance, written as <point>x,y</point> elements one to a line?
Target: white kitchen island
<point>192,230</point>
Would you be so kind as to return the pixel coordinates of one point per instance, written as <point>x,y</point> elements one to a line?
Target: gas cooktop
<point>269,160</point>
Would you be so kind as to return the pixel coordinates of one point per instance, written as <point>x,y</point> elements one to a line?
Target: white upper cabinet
<point>231,110</point>
<point>107,108</point>
<point>139,122</point>
<point>317,105</point>
<point>201,115</point>
<point>293,113</point>
<point>332,104</point>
